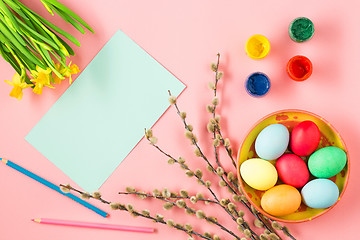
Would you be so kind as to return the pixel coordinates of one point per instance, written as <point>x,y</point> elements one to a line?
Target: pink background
<point>185,36</point>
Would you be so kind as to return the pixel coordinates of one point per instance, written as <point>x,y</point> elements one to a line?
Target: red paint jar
<point>299,68</point>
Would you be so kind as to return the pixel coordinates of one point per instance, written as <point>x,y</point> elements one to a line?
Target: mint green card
<point>101,117</point>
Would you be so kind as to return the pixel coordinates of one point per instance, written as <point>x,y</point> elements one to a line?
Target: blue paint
<point>257,84</point>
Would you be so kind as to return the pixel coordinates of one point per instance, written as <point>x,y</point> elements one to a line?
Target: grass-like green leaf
<point>6,20</point>
<point>10,59</point>
<point>69,12</point>
<point>9,14</point>
<point>46,56</point>
<point>68,19</point>
<point>47,7</point>
<point>34,34</point>
<point>16,8</point>
<point>37,17</point>
<point>68,48</point>
<point>20,47</point>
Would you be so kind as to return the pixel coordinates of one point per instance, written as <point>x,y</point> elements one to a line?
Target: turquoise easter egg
<point>272,142</point>
<point>320,193</point>
<point>327,162</point>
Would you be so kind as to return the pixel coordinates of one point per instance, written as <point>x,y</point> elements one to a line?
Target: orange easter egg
<point>281,200</point>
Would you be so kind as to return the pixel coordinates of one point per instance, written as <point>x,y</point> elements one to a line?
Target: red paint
<point>299,68</point>
<point>292,170</point>
<point>304,138</point>
<point>259,193</point>
<point>333,178</point>
<point>281,117</point>
<point>302,208</point>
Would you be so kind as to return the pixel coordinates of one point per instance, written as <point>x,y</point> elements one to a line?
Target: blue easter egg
<point>272,142</point>
<point>320,193</point>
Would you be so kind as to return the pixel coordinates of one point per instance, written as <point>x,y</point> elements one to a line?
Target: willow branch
<point>189,210</point>
<point>135,213</point>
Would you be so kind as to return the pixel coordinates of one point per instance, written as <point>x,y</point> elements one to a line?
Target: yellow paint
<point>257,47</point>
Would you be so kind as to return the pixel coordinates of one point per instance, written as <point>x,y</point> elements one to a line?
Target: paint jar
<point>257,84</point>
<point>301,29</point>
<point>299,68</point>
<point>257,47</point>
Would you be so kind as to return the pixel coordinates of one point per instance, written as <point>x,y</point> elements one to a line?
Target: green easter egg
<point>327,162</point>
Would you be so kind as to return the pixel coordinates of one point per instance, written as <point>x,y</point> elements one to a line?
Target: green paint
<point>301,29</point>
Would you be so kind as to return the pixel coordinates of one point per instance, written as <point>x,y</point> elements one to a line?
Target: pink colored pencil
<point>93,225</point>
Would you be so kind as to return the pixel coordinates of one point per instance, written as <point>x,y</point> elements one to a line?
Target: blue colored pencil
<point>54,187</point>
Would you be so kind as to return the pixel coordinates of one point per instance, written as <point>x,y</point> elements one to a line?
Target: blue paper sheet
<point>101,117</point>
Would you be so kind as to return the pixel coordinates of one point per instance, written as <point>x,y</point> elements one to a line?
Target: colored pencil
<point>53,186</point>
<point>93,225</point>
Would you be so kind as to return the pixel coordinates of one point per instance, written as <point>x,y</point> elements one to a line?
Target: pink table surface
<point>185,37</point>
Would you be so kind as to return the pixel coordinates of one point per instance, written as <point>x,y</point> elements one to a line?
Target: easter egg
<point>272,141</point>
<point>281,200</point>
<point>292,170</point>
<point>304,138</point>
<point>320,193</point>
<point>258,173</point>
<point>327,162</point>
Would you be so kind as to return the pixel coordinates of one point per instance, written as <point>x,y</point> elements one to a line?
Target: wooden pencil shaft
<point>53,186</point>
<point>94,225</point>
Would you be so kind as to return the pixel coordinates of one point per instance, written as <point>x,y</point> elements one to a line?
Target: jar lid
<point>301,29</point>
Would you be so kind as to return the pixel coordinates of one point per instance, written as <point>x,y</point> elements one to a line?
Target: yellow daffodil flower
<point>73,69</point>
<point>41,79</point>
<point>60,69</point>
<point>19,84</point>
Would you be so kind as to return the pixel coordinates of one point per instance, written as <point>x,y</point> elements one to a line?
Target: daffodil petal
<point>9,82</point>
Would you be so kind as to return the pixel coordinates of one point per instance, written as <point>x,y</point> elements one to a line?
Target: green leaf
<point>10,15</point>
<point>9,58</point>
<point>27,40</point>
<point>62,32</point>
<point>68,48</point>
<point>6,20</point>
<point>16,8</point>
<point>60,61</point>
<point>47,7</point>
<point>46,56</point>
<point>24,60</point>
<point>26,51</point>
<point>38,18</point>
<point>11,4</point>
<point>36,35</point>
<point>69,12</point>
<point>68,19</point>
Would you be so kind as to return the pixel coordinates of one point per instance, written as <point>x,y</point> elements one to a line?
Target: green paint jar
<point>301,29</point>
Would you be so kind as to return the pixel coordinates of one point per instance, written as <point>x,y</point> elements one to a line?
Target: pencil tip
<point>38,220</point>
<point>3,160</point>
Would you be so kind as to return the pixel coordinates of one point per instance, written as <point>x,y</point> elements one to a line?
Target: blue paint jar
<point>257,84</point>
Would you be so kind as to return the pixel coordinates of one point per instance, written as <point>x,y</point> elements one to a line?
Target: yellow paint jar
<point>257,47</point>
